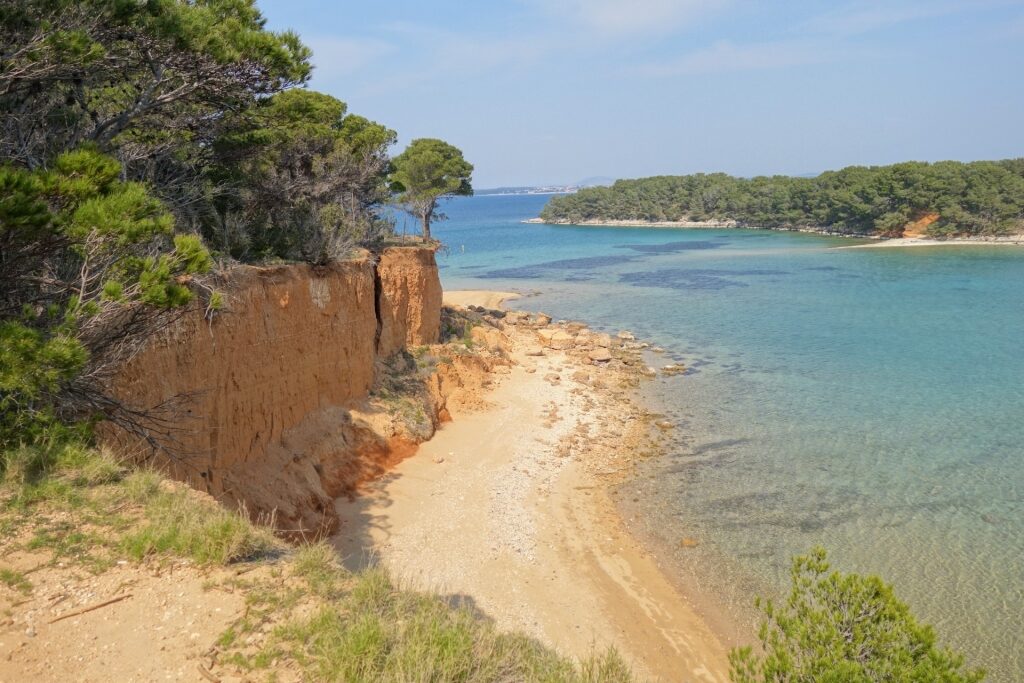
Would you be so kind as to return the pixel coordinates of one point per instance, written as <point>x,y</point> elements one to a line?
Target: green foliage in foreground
<point>837,628</point>
<point>84,259</point>
<point>979,198</point>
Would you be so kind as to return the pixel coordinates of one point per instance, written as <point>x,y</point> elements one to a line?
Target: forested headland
<point>944,199</point>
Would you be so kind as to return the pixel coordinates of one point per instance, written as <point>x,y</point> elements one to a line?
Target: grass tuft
<point>374,630</point>
<point>178,524</point>
<point>318,564</point>
<point>15,580</point>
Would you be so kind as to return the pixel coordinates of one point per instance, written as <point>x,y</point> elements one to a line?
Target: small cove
<point>868,400</point>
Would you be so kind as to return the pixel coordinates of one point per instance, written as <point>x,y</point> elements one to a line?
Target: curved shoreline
<point>876,241</point>
<point>512,508</point>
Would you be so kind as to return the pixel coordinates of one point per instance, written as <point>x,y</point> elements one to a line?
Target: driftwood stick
<point>207,675</point>
<point>75,613</point>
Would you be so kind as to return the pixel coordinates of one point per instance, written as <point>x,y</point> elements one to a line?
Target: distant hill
<point>540,189</point>
<point>948,198</point>
<point>595,181</point>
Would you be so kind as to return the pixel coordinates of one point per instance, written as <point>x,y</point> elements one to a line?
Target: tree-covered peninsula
<point>944,199</point>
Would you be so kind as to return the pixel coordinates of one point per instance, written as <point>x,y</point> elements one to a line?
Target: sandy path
<point>161,629</point>
<point>489,511</point>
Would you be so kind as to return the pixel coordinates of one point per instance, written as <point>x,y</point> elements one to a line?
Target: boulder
<point>562,340</point>
<point>600,355</point>
<point>489,338</point>
<point>544,336</point>
<point>626,335</point>
<point>516,317</point>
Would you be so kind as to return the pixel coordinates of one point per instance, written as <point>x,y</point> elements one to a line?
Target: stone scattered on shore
<point>620,352</point>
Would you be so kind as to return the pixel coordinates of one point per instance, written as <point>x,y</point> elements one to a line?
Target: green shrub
<point>837,628</point>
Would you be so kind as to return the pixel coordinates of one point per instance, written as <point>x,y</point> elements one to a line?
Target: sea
<point>870,401</point>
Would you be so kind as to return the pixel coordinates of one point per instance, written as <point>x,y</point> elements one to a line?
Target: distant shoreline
<point>677,225</point>
<point>902,242</point>
<point>993,240</point>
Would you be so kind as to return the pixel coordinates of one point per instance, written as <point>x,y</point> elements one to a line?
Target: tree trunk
<point>425,217</point>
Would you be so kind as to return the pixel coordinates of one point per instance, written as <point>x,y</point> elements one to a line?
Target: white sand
<point>494,510</point>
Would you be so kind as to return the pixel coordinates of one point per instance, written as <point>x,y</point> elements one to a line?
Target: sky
<point>554,91</point>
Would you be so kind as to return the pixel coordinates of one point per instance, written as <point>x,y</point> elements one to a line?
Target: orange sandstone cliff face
<point>409,299</point>
<point>277,418</point>
<point>919,226</point>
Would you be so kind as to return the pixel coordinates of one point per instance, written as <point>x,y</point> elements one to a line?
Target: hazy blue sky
<point>546,91</point>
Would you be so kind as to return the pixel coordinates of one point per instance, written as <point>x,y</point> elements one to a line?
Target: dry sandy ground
<point>495,511</point>
<point>161,627</point>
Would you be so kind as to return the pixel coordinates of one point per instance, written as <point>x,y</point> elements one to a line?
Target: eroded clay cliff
<point>279,416</point>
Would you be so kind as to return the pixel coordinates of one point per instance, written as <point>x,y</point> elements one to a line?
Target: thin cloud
<point>865,17</point>
<point>725,56</point>
<point>334,57</point>
<point>628,17</point>
<point>434,54</point>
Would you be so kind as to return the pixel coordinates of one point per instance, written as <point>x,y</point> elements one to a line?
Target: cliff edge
<point>269,404</point>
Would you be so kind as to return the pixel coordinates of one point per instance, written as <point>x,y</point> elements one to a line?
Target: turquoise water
<point>870,400</point>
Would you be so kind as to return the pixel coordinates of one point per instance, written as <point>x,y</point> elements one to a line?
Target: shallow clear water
<point>870,400</point>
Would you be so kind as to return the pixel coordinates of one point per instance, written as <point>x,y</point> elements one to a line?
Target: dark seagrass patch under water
<point>694,278</point>
<point>672,247</point>
<point>547,268</point>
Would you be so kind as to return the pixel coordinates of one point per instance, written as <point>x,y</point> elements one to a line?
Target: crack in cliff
<point>323,336</point>
<point>378,293</point>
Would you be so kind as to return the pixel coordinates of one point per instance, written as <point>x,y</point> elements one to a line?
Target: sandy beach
<point>478,297</point>
<point>507,510</point>
<point>1010,240</point>
<point>636,223</point>
<point>876,242</point>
